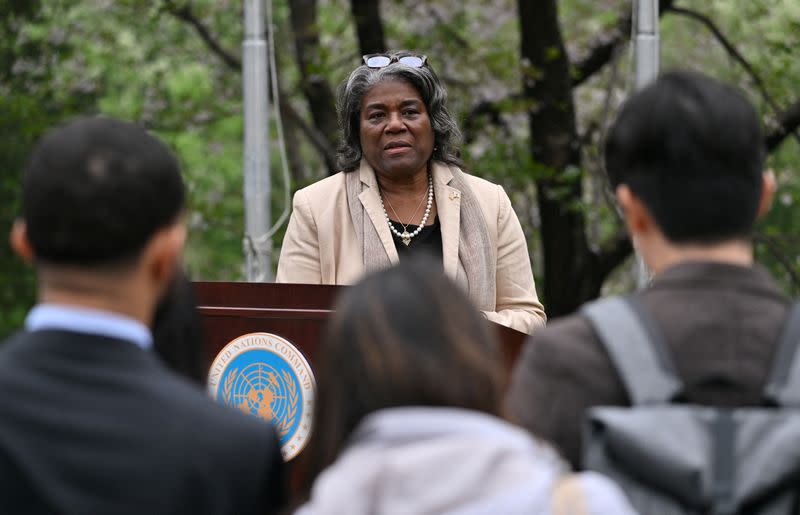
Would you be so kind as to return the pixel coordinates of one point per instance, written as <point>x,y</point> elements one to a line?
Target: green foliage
<point>29,104</point>
<point>767,34</point>
<point>134,60</point>
<point>16,279</point>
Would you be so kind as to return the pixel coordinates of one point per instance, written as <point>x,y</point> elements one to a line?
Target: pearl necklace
<point>413,216</point>
<point>405,235</point>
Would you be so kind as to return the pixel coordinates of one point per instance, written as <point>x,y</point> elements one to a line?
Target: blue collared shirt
<point>90,321</point>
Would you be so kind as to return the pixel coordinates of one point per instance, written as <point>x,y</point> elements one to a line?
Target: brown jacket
<point>721,322</point>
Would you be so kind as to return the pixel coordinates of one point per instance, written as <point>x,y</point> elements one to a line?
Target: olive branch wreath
<point>226,392</point>
<point>285,424</point>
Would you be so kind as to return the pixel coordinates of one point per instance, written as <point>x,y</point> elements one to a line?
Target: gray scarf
<point>476,255</point>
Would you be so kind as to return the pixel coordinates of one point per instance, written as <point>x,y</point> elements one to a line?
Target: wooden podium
<point>296,312</point>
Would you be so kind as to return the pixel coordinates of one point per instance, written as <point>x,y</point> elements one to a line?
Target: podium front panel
<point>295,312</point>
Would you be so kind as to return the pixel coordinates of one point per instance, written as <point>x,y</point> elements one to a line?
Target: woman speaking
<point>402,192</point>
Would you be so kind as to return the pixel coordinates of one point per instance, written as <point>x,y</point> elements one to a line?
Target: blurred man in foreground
<point>90,420</point>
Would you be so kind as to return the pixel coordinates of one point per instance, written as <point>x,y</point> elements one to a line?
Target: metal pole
<point>257,246</point>
<point>646,65</point>
<point>646,43</point>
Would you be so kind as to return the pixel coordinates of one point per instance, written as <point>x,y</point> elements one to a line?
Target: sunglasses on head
<point>384,60</point>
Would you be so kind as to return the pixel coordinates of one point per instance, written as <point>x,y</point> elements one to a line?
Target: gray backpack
<point>690,459</point>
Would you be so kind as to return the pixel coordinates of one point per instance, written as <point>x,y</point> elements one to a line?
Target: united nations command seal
<point>262,374</point>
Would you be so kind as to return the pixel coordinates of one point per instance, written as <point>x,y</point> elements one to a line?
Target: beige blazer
<point>321,246</point>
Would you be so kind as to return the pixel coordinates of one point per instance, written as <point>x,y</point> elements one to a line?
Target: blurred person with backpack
<point>689,386</point>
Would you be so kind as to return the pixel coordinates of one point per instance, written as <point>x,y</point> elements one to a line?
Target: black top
<point>428,241</point>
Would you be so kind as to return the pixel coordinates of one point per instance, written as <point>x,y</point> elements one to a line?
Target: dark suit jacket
<point>90,425</point>
<point>721,322</point>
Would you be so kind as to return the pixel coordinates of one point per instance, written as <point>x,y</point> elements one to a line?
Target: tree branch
<point>460,40</point>
<point>788,122</point>
<point>488,108</point>
<point>602,50</point>
<point>602,124</point>
<point>185,14</point>
<point>739,58</point>
<point>730,48</point>
<point>317,139</point>
<point>774,248</point>
<point>603,47</point>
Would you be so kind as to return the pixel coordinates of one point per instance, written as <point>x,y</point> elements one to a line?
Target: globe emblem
<point>259,387</point>
<point>259,402</point>
<point>265,376</point>
<point>265,387</point>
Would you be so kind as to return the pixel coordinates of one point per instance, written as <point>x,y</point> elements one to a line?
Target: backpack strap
<point>636,348</point>
<point>783,384</point>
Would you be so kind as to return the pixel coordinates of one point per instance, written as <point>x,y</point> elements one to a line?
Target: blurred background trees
<point>533,83</point>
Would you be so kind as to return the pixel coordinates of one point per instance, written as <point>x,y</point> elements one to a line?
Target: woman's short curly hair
<point>424,80</point>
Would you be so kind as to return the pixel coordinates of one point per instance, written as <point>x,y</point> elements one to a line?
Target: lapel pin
<point>454,195</point>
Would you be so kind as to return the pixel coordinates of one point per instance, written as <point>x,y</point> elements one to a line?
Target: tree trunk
<point>369,27</point>
<point>573,273</point>
<point>317,91</point>
<point>291,129</point>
